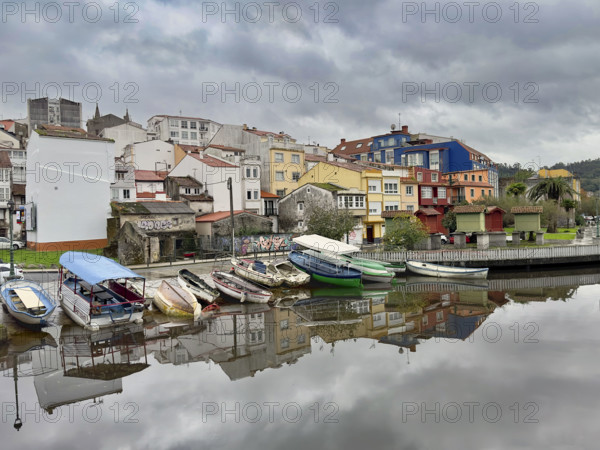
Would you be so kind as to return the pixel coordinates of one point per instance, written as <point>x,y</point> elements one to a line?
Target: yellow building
<point>574,182</point>
<point>285,169</point>
<point>387,190</point>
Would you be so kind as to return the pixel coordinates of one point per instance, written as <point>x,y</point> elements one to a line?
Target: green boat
<point>324,271</point>
<point>370,270</point>
<point>389,266</point>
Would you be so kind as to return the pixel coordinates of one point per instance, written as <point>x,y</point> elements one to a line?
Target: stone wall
<point>243,223</point>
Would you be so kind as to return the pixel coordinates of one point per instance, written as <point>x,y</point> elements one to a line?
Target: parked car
<point>5,271</point>
<point>5,243</point>
<point>444,239</point>
<point>467,237</point>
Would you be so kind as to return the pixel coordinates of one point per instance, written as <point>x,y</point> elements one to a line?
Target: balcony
<point>270,211</point>
<point>456,199</point>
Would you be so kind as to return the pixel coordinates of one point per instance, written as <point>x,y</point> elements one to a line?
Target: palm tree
<point>516,189</point>
<point>568,204</point>
<point>553,189</point>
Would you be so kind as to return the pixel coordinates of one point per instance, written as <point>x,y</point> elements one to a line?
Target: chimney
<point>245,126</point>
<point>343,141</point>
<point>428,141</point>
<point>405,129</point>
<point>329,156</point>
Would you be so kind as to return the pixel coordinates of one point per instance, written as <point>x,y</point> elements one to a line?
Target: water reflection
<point>68,365</point>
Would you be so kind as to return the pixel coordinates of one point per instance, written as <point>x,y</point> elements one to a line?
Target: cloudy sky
<point>515,80</point>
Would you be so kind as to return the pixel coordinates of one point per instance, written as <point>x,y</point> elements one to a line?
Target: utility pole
<point>597,218</point>
<point>230,187</point>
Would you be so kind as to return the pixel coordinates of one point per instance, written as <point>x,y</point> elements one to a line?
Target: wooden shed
<point>493,218</point>
<point>527,218</point>
<point>470,218</point>
<point>432,219</point>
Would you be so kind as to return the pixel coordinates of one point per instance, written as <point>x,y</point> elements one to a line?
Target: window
<point>363,157</point>
<point>374,208</point>
<point>472,192</point>
<point>280,192</point>
<point>248,172</point>
<point>483,192</point>
<point>466,177</point>
<point>389,157</point>
<point>409,190</point>
<point>300,206</point>
<point>377,156</point>
<point>114,194</point>
<point>248,195</point>
<point>441,192</point>
<point>187,190</point>
<point>410,208</point>
<point>424,320</point>
<point>284,324</point>
<point>279,176</point>
<point>434,160</point>
<point>426,192</point>
<point>174,134</point>
<point>391,206</point>
<point>359,145</point>
<point>434,177</point>
<point>374,186</point>
<point>193,125</point>
<point>255,172</point>
<point>285,343</point>
<point>278,157</point>
<point>419,176</point>
<point>184,124</point>
<point>301,224</point>
<point>174,123</point>
<point>301,339</point>
<point>390,188</point>
<point>359,201</point>
<point>490,192</point>
<point>391,141</point>
<point>126,194</point>
<point>295,176</point>
<point>472,177</point>
<point>412,159</point>
<point>480,178</point>
<point>184,135</point>
<point>193,135</point>
<point>120,175</point>
<point>196,191</point>
<point>295,159</point>
<point>439,316</point>
<point>343,148</point>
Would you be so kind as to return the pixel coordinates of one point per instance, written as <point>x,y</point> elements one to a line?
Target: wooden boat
<point>436,270</point>
<point>27,302</point>
<point>197,286</point>
<point>256,271</point>
<point>337,273</point>
<point>240,289</point>
<point>94,291</point>
<point>174,300</point>
<point>370,270</point>
<point>292,276</point>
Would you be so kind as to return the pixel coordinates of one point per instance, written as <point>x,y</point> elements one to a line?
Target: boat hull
<point>176,301</point>
<point>37,317</point>
<point>240,289</point>
<point>197,286</point>
<point>435,270</point>
<point>244,268</point>
<point>292,276</point>
<point>324,271</point>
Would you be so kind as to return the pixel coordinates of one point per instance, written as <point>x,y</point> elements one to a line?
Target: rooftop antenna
<point>399,121</point>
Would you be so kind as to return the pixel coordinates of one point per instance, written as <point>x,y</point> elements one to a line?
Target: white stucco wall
<point>152,155</point>
<point>124,135</point>
<point>68,180</point>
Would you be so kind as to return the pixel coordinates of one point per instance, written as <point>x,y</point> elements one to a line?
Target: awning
<point>95,268</point>
<point>323,244</point>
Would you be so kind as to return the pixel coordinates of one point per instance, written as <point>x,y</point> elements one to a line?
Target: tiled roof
<point>265,194</point>
<point>197,198</point>
<point>5,160</point>
<point>186,181</point>
<point>220,215</point>
<point>469,209</point>
<point>226,148</point>
<point>353,147</point>
<point>150,175</point>
<point>526,209</point>
<point>471,183</point>
<point>315,158</point>
<point>67,132</point>
<point>154,207</point>
<point>212,161</point>
<point>491,209</point>
<point>266,133</point>
<point>392,214</point>
<point>349,166</point>
<point>7,124</point>
<point>190,148</point>
<point>428,212</point>
<point>145,195</point>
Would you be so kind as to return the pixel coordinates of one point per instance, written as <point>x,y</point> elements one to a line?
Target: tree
<point>553,189</point>
<point>449,221</point>
<point>516,189</point>
<point>568,204</point>
<point>328,221</point>
<point>405,231</point>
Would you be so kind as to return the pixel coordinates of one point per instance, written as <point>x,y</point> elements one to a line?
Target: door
<point>370,237</point>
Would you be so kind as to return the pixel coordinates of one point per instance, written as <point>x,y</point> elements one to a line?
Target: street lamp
<point>11,209</point>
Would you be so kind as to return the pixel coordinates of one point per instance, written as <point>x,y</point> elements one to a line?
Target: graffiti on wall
<point>155,224</point>
<point>264,243</point>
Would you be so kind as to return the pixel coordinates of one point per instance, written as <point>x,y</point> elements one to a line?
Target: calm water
<point>509,363</point>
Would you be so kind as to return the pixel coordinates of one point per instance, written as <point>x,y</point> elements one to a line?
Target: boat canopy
<point>95,268</point>
<point>323,244</point>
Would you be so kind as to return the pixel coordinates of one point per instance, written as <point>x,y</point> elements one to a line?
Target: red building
<point>493,218</point>
<point>432,219</point>
<point>433,192</point>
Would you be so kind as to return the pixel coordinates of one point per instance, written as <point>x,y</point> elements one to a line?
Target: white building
<point>124,188</point>
<point>68,189</point>
<point>124,135</point>
<point>150,155</point>
<point>182,130</point>
<point>213,173</point>
<point>150,184</point>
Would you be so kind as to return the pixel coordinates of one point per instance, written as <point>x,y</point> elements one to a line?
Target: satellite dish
<point>393,126</point>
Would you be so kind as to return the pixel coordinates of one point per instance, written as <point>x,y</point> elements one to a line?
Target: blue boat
<point>325,271</point>
<point>27,302</point>
<point>96,292</point>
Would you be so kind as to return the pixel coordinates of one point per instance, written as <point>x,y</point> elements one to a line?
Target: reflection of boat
<point>174,300</point>
<point>257,271</point>
<point>437,270</point>
<point>324,271</point>
<point>327,311</point>
<point>240,289</point>
<point>334,251</point>
<point>292,276</point>
<point>197,286</point>
<point>27,302</point>
<point>92,293</point>
<point>446,284</point>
